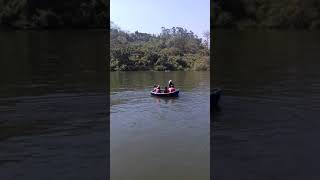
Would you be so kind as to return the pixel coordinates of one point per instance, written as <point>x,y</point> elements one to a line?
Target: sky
<point>148,16</point>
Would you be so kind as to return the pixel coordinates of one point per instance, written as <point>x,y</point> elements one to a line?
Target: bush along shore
<point>44,14</point>
<point>173,49</point>
<point>275,14</point>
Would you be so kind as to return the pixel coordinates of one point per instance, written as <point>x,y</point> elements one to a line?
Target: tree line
<point>29,14</point>
<point>298,14</point>
<point>173,49</point>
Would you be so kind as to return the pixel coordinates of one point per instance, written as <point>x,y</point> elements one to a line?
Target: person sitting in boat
<point>154,88</point>
<point>170,84</point>
<point>166,90</point>
<point>158,90</point>
<point>172,89</point>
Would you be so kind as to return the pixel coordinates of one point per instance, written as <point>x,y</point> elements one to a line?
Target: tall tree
<point>206,35</point>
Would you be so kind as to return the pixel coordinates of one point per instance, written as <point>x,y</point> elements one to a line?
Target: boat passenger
<point>154,88</point>
<point>165,90</point>
<point>172,89</point>
<point>158,89</point>
<point>170,84</point>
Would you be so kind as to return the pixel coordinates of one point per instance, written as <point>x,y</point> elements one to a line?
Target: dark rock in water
<point>215,96</point>
<point>214,100</point>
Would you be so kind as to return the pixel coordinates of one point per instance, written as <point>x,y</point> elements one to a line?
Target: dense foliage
<point>53,13</point>
<point>266,13</point>
<point>173,49</point>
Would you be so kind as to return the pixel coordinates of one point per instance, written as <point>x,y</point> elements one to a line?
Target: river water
<point>269,124</point>
<point>53,105</point>
<point>156,138</point>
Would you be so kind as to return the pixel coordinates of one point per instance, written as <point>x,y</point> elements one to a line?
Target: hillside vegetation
<point>173,49</point>
<point>28,14</point>
<point>298,14</point>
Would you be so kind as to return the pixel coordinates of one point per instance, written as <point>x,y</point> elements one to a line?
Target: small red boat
<point>170,94</point>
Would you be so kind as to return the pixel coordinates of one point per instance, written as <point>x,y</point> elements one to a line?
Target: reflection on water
<point>269,124</point>
<point>53,105</point>
<point>160,100</point>
<point>159,138</point>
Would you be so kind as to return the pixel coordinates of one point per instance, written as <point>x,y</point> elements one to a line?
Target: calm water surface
<point>53,105</point>
<point>269,124</point>
<point>154,138</point>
